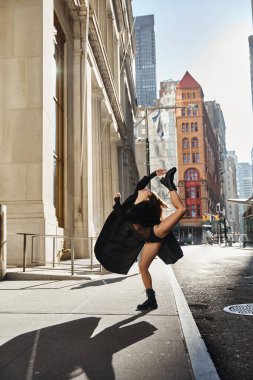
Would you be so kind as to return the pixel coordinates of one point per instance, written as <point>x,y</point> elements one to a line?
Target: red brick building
<point>198,155</point>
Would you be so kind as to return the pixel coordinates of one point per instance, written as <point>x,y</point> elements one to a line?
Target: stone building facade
<point>198,158</point>
<point>67,104</point>
<point>155,134</point>
<point>232,209</point>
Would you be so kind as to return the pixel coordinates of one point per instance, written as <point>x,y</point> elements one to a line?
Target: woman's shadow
<point>63,351</point>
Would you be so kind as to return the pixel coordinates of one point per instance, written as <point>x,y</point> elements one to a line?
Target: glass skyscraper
<point>145,68</point>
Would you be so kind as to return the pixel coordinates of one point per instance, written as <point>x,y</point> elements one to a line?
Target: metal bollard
<point>3,241</point>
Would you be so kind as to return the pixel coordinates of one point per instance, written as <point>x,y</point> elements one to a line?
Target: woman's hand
<point>117,196</point>
<point>160,172</point>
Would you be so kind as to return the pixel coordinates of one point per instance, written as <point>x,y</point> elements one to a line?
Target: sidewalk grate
<point>244,309</point>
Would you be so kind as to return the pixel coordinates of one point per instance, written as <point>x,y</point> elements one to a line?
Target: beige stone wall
<point>25,119</point>
<point>96,162</point>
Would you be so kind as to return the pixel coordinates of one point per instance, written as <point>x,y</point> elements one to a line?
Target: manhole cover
<point>244,309</point>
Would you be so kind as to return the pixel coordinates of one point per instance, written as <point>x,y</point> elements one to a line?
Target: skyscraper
<point>244,179</point>
<point>145,67</point>
<point>251,64</point>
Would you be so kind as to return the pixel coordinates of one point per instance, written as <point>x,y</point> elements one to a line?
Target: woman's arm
<point>146,179</point>
<point>117,207</point>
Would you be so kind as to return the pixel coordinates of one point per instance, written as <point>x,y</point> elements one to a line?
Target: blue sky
<point>209,38</point>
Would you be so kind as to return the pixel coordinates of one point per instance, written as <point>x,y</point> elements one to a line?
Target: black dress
<point>119,244</point>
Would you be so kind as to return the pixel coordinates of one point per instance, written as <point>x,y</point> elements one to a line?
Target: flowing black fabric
<point>119,244</point>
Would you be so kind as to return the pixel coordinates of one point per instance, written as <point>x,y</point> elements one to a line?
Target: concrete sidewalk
<point>89,329</point>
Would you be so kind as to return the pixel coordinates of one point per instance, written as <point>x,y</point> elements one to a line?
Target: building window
<point>186,143</point>
<point>193,95</point>
<point>186,158</point>
<point>192,192</point>
<point>183,111</point>
<point>183,127</point>
<point>195,158</point>
<point>191,175</point>
<point>58,122</point>
<point>186,127</point>
<point>194,127</point>
<point>183,96</point>
<point>188,212</point>
<point>193,211</point>
<point>188,112</point>
<point>194,112</point>
<point>195,142</point>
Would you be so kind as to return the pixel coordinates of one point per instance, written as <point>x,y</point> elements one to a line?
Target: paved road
<point>211,278</point>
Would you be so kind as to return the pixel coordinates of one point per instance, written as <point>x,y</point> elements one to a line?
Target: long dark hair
<point>156,205</point>
<point>148,212</point>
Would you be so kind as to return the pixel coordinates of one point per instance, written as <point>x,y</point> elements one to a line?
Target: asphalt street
<point>211,278</point>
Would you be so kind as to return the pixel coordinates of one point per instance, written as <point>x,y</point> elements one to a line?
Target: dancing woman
<point>137,225</point>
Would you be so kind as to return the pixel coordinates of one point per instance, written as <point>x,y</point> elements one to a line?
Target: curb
<point>200,360</point>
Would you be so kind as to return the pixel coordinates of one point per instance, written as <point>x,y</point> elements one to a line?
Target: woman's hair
<point>156,204</point>
<point>148,212</point>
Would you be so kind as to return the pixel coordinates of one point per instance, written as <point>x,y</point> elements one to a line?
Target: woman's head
<point>153,202</point>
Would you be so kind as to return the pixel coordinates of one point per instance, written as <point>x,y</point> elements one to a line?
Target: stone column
<point>114,163</point>
<point>98,210</point>
<point>80,105</point>
<point>106,167</point>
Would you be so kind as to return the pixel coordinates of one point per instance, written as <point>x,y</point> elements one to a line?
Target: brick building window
<point>191,175</point>
<point>185,143</point>
<point>186,158</point>
<point>183,111</point>
<point>195,142</point>
<point>195,157</point>
<point>185,127</point>
<point>192,192</point>
<point>194,127</point>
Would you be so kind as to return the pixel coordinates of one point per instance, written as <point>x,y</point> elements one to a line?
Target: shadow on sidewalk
<point>103,282</point>
<point>67,350</point>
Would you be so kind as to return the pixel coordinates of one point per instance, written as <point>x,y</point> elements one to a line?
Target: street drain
<point>244,309</point>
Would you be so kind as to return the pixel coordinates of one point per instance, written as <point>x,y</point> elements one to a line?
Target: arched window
<point>195,142</point>
<point>186,143</point>
<point>191,175</point>
<point>183,127</point>
<point>186,127</point>
<point>196,127</point>
<point>192,127</point>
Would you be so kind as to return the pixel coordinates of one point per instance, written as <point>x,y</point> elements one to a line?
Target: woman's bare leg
<point>149,252</point>
<point>162,229</point>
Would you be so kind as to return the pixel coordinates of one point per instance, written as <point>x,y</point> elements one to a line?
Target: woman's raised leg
<point>162,229</point>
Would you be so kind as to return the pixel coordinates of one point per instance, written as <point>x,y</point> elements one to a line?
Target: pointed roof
<point>188,82</point>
